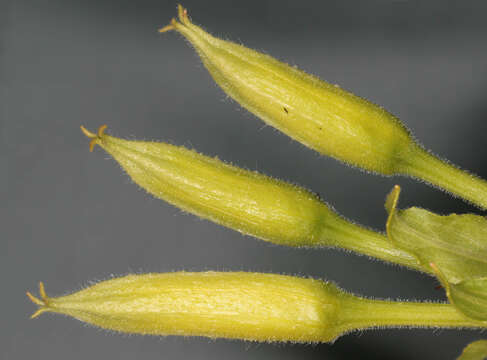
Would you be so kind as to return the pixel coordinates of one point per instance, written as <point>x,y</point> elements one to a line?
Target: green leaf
<point>456,244</point>
<point>475,351</point>
<point>453,247</point>
<point>470,297</point>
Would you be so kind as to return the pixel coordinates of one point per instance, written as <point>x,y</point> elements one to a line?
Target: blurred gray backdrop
<point>69,217</point>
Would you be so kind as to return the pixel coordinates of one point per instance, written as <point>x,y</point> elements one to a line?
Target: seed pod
<point>260,307</point>
<point>243,200</point>
<point>322,116</point>
<point>248,306</point>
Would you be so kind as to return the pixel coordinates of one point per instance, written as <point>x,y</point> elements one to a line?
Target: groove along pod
<point>323,116</point>
<point>243,200</point>
<point>238,305</point>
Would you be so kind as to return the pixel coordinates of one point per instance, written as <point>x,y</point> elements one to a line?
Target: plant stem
<point>353,237</point>
<point>365,313</point>
<point>428,167</point>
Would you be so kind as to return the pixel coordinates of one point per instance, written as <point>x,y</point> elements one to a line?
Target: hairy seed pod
<point>322,116</point>
<point>239,305</point>
<point>250,306</point>
<point>243,200</point>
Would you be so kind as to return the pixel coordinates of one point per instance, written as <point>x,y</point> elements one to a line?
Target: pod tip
<point>94,137</point>
<point>87,132</point>
<point>183,14</point>
<point>42,302</point>
<point>171,26</point>
<point>34,299</point>
<point>101,130</point>
<point>183,17</point>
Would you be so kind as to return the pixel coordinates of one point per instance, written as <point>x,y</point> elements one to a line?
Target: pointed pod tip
<point>43,302</point>
<point>169,27</point>
<point>34,299</point>
<point>94,137</point>
<point>87,132</point>
<point>38,312</point>
<point>183,14</point>
<point>42,292</point>
<point>101,130</point>
<point>183,17</point>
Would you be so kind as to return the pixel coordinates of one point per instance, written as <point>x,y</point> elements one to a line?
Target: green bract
<point>470,297</point>
<point>453,246</point>
<point>475,351</point>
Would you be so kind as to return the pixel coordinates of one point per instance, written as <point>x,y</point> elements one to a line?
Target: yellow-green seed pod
<point>243,200</point>
<point>239,305</point>
<point>322,116</point>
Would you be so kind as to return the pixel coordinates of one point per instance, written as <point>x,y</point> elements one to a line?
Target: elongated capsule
<point>243,200</point>
<point>238,305</point>
<point>322,116</point>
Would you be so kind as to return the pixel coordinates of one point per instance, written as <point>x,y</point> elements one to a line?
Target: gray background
<point>69,217</point>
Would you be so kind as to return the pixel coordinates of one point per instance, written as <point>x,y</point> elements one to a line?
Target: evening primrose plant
<point>270,307</point>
